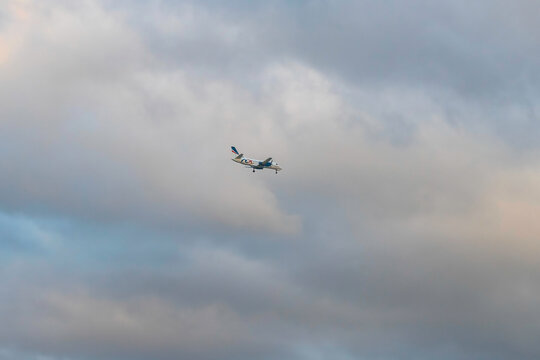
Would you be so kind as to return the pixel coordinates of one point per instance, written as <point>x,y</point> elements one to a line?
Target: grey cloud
<point>482,53</point>
<point>476,49</point>
<point>422,294</point>
<point>415,245</point>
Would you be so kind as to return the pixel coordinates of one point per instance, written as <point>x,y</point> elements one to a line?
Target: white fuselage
<point>257,164</point>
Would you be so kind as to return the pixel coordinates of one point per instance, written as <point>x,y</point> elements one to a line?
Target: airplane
<point>255,164</point>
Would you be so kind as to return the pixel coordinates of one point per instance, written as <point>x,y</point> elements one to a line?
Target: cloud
<point>132,329</point>
<point>99,125</point>
<point>403,224</point>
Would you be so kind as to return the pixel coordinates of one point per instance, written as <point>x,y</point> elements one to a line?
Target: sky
<point>404,224</point>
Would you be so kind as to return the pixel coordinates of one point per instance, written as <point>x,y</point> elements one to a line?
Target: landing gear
<point>253,170</point>
<point>276,172</point>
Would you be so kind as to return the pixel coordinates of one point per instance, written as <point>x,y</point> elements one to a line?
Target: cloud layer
<point>403,225</point>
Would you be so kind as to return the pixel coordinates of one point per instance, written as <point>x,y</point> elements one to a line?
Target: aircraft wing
<point>266,162</point>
